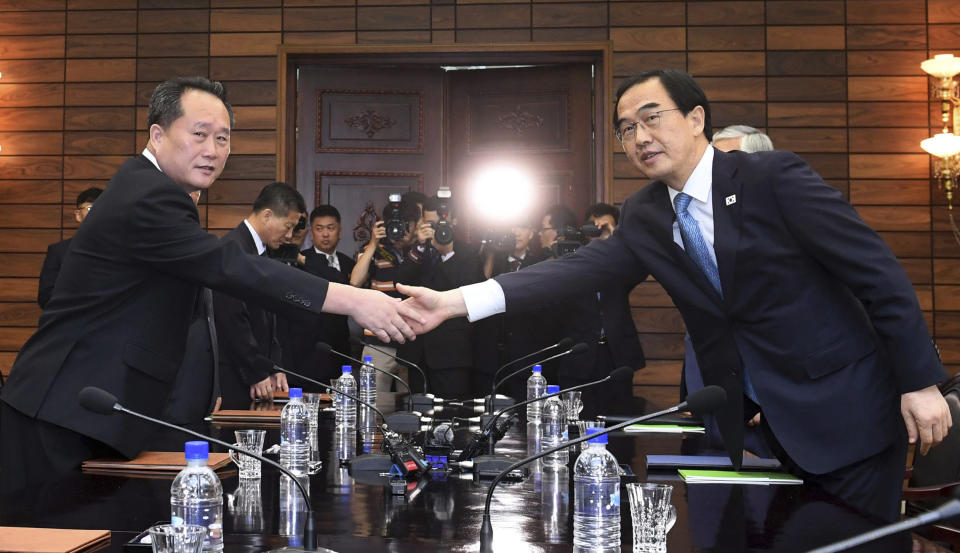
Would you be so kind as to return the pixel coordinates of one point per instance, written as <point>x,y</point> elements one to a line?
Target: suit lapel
<point>726,219</point>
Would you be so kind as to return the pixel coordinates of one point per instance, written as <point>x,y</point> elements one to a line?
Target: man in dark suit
<point>248,340</point>
<point>795,307</point>
<point>445,353</point>
<point>323,260</point>
<point>56,252</point>
<point>601,319</point>
<point>128,289</point>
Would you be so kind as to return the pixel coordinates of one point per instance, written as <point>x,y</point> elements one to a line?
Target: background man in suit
<point>248,339</point>
<point>323,259</point>
<point>119,315</point>
<point>445,353</point>
<point>56,252</point>
<point>794,305</point>
<point>602,320</point>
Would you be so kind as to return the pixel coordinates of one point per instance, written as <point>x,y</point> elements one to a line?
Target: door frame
<point>290,57</point>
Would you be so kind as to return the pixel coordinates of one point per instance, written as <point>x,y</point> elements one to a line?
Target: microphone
<point>949,509</point>
<point>562,344</point>
<point>704,400</point>
<point>577,349</point>
<point>398,452</point>
<point>103,402</point>
<point>323,347</point>
<point>490,464</point>
<point>417,401</point>
<point>400,421</point>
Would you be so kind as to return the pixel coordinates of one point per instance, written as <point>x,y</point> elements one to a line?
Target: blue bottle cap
<point>367,359</point>
<point>553,388</point>
<point>296,392</point>
<point>196,450</point>
<point>537,369</point>
<point>601,439</point>
<point>347,369</point>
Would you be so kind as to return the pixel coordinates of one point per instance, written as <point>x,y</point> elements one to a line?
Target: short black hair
<point>324,210</point>
<point>683,90</point>
<point>165,106</point>
<point>601,209</point>
<point>89,195</point>
<point>561,216</point>
<point>280,198</point>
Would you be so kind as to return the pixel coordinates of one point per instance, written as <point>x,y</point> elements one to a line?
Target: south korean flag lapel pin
<point>731,199</point>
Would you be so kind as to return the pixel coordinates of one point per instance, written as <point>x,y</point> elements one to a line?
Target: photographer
<point>436,261</point>
<point>552,227</point>
<point>377,268</point>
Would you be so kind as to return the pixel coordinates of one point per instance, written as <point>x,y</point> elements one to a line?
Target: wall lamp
<point>945,146</point>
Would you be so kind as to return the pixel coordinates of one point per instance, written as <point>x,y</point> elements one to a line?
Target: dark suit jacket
<point>50,270</point>
<point>125,300</point>
<point>197,386</point>
<point>449,345</point>
<point>584,317</point>
<point>814,306</point>
<point>247,335</point>
<point>298,341</point>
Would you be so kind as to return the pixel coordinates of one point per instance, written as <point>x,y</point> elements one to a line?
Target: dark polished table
<point>443,513</point>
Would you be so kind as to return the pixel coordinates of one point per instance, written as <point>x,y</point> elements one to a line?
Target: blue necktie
<point>696,248</point>
<point>693,242</point>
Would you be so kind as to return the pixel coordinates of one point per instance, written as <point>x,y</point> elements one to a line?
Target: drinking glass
<point>312,400</point>
<point>182,538</point>
<point>573,404</point>
<point>251,440</point>
<point>652,515</point>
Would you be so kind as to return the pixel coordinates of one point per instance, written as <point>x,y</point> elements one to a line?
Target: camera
<point>443,229</point>
<point>573,238</point>
<point>394,224</point>
<point>500,240</point>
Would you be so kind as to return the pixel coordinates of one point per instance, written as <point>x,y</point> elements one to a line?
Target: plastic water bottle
<point>368,390</point>
<point>294,442</point>
<point>596,498</point>
<point>553,423</point>
<point>536,387</point>
<point>196,496</point>
<point>346,408</point>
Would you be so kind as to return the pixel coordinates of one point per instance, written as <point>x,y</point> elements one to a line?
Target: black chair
<point>935,476</point>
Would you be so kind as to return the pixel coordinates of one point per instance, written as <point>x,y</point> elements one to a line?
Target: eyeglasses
<point>648,121</point>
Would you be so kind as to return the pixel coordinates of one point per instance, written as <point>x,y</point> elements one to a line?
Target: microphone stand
<point>399,453</point>
<point>491,464</point>
<point>577,349</point>
<point>701,401</point>
<point>490,403</point>
<point>400,421</point>
<point>415,402</point>
<point>309,530</point>
<point>949,509</point>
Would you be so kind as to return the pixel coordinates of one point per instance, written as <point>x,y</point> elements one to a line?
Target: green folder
<point>693,476</point>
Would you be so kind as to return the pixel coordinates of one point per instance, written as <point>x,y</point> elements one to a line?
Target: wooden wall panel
<point>837,81</point>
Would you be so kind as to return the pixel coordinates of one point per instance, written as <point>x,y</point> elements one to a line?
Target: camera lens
<point>395,230</point>
<point>443,234</point>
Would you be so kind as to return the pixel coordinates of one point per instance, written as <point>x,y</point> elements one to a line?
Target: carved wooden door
<point>363,134</point>
<point>538,118</point>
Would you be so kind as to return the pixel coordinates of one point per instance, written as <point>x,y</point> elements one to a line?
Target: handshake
<point>390,318</point>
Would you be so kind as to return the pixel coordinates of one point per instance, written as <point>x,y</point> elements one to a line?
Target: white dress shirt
<point>332,259</point>
<point>256,238</point>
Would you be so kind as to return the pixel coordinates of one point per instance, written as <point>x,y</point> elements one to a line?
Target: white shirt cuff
<point>483,299</point>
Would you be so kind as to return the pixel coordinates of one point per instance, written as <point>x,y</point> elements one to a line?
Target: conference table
<point>443,512</point>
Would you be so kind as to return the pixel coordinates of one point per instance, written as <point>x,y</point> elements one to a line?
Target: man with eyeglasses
<point>56,252</point>
<point>794,305</point>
